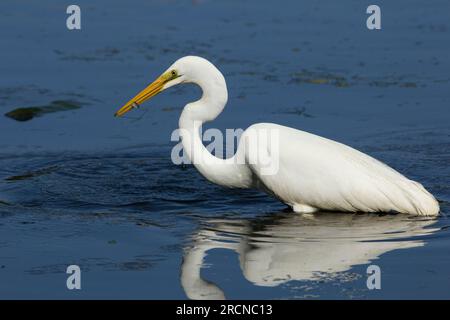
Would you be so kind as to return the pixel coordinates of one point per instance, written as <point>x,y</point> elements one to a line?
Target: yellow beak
<point>152,90</point>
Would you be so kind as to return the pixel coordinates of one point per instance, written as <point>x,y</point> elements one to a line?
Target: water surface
<point>78,186</point>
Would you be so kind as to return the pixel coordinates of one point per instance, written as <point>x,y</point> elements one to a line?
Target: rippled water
<point>141,227</point>
<point>81,187</point>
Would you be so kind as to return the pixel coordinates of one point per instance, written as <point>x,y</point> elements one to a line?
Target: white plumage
<point>312,173</point>
<point>318,173</point>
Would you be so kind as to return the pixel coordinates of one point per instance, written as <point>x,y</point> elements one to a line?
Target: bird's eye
<point>174,73</point>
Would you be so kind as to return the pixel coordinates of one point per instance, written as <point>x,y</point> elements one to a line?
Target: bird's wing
<point>321,173</point>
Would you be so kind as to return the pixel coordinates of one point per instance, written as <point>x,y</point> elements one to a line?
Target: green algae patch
<point>317,81</point>
<point>23,114</point>
<point>319,77</point>
<point>28,113</point>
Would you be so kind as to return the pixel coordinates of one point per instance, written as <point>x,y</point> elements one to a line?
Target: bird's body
<point>316,173</point>
<point>305,171</point>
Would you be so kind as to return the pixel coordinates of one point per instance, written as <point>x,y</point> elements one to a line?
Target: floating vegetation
<point>4,203</point>
<point>170,109</point>
<point>299,111</point>
<point>338,80</point>
<point>392,83</point>
<point>318,81</point>
<point>32,174</point>
<point>101,54</point>
<point>382,83</point>
<point>408,85</point>
<point>314,77</point>
<point>28,113</point>
<point>270,77</point>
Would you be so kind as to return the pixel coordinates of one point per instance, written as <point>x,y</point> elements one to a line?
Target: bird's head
<point>186,69</point>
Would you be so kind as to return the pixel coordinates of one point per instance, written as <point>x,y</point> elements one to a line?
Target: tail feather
<point>418,200</point>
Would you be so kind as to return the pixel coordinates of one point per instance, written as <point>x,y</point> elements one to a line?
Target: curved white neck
<point>225,172</point>
<point>191,281</point>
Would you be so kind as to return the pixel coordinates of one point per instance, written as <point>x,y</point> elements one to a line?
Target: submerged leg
<point>303,208</point>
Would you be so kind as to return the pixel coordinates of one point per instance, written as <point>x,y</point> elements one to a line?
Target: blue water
<point>82,187</point>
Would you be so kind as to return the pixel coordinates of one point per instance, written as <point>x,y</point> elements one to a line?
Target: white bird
<point>307,172</point>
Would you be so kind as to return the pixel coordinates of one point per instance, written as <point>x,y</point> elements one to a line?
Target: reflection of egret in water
<point>278,249</point>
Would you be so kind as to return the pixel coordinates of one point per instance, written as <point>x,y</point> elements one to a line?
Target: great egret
<point>277,249</point>
<point>312,173</point>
